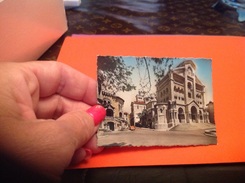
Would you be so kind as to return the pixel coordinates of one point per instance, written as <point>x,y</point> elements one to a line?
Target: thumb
<point>82,125</point>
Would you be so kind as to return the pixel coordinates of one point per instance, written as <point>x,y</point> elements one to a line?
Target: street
<point>181,136</point>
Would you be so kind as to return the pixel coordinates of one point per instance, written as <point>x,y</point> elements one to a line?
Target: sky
<point>203,72</point>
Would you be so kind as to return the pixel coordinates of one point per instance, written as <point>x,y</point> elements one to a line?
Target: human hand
<point>45,116</point>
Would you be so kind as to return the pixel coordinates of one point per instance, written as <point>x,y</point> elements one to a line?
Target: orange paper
<point>228,61</point>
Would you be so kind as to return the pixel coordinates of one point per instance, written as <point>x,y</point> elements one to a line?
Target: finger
<point>86,152</point>
<point>55,77</point>
<point>81,125</point>
<point>54,106</point>
<point>93,146</point>
<point>81,155</point>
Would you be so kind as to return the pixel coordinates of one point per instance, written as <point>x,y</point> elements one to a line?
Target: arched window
<point>181,115</point>
<point>109,112</point>
<point>190,71</point>
<point>106,102</point>
<point>189,85</point>
<point>193,114</point>
<point>201,116</point>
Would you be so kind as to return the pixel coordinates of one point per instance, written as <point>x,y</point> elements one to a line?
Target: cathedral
<point>180,98</point>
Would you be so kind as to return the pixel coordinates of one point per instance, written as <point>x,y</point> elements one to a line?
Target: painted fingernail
<point>88,154</point>
<point>98,113</point>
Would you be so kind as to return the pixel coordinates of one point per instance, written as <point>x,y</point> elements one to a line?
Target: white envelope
<point>29,27</point>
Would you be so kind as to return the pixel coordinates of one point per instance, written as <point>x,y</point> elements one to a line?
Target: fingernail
<point>98,113</point>
<point>88,154</point>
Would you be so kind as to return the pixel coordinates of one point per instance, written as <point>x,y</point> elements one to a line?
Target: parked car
<point>132,128</point>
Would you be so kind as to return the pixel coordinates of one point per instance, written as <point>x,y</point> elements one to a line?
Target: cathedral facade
<point>180,98</point>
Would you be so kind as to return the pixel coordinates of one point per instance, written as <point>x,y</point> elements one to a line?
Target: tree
<point>161,67</point>
<point>145,66</point>
<point>114,75</point>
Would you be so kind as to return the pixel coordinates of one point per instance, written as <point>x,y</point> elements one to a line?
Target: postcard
<point>153,101</point>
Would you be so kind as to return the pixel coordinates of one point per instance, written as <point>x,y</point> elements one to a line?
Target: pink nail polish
<point>98,113</point>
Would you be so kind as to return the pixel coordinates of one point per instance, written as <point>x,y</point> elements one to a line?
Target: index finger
<point>57,78</point>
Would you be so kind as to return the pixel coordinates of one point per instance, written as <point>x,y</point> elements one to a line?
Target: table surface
<point>144,17</point>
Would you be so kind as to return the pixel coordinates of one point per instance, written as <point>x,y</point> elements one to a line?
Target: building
<point>180,98</point>
<point>148,113</point>
<point>137,107</point>
<point>116,119</point>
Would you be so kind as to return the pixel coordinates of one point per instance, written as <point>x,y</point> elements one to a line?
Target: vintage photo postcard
<point>156,101</point>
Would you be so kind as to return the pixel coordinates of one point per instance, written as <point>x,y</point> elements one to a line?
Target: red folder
<point>228,63</point>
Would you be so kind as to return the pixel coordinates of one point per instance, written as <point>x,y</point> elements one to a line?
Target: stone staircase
<point>192,126</point>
